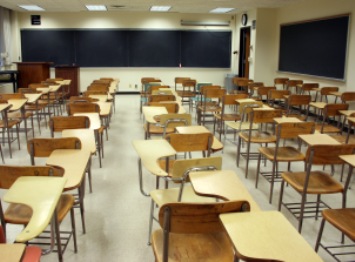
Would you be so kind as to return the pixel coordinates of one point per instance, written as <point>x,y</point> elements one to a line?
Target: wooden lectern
<point>32,72</point>
<point>72,73</point>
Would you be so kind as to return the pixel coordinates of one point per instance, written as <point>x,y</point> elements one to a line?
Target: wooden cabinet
<point>72,73</point>
<point>32,72</point>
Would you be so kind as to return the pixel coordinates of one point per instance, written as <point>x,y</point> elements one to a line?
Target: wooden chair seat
<point>284,154</point>
<point>343,219</point>
<point>228,117</point>
<point>319,182</point>
<point>21,214</point>
<point>186,93</point>
<point>327,129</point>
<point>258,137</point>
<point>194,247</point>
<point>11,123</point>
<point>210,107</point>
<point>342,139</point>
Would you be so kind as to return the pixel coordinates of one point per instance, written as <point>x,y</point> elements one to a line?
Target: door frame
<point>244,52</point>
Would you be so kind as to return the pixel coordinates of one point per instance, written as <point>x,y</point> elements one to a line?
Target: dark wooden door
<point>244,47</point>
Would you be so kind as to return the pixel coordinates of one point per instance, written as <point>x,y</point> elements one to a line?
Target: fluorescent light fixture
<point>205,23</point>
<point>221,10</point>
<point>31,7</point>
<point>96,7</point>
<point>160,8</point>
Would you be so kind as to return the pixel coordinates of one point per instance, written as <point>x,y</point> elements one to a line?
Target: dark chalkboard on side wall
<point>317,47</point>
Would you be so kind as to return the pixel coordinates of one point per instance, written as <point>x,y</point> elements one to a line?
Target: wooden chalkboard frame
<point>317,47</point>
<point>128,47</point>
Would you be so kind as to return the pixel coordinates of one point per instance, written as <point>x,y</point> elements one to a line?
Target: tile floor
<point>116,212</point>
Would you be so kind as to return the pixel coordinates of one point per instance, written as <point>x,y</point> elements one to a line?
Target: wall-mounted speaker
<point>35,20</point>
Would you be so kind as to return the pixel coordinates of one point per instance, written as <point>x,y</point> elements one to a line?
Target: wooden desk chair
<point>263,92</point>
<point>20,214</point>
<point>43,147</point>
<point>56,98</point>
<point>63,92</point>
<point>161,98</point>
<point>253,88</point>
<point>75,99</point>
<point>178,82</point>
<point>308,88</point>
<point>20,115</point>
<point>144,90</point>
<point>38,108</point>
<point>187,143</point>
<point>243,124</point>
<point>200,96</point>
<point>235,81</point>
<point>298,106</point>
<point>211,103</point>
<point>188,92</point>
<point>276,98</point>
<point>294,84</point>
<point>347,97</point>
<point>343,220</point>
<point>167,124</point>
<point>193,232</point>
<point>171,107</point>
<point>281,82</point>
<point>6,125</point>
<point>184,192</point>
<point>227,113</point>
<point>251,136</point>
<point>348,138</point>
<point>318,106</point>
<point>315,182</point>
<point>31,254</point>
<point>59,123</point>
<point>279,153</point>
<point>331,114</point>
<point>243,85</point>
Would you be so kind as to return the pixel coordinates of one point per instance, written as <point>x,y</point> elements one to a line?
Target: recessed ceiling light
<point>221,10</point>
<point>96,7</point>
<point>160,8</point>
<point>31,7</point>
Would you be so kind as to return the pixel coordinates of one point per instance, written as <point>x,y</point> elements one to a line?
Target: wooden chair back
<point>98,87</point>
<point>299,100</point>
<point>348,97</point>
<point>332,110</point>
<point>151,89</point>
<point>160,98</point>
<point>74,99</point>
<point>294,83</point>
<point>214,93</point>
<point>260,115</point>
<point>325,92</point>
<point>275,94</point>
<point>171,107</point>
<point>37,85</point>
<point>191,218</point>
<point>182,167</point>
<point>328,154</point>
<point>9,174</point>
<point>281,81</point>
<point>229,99</point>
<point>43,147</point>
<point>7,97</point>
<point>55,79</point>
<point>309,87</point>
<point>25,90</point>
<point>95,92</point>
<point>191,142</point>
<point>245,108</point>
<point>189,83</point>
<point>59,123</point>
<point>180,80</point>
<point>73,108</point>
<point>175,120</point>
<point>293,130</point>
<point>103,81</point>
<point>264,91</point>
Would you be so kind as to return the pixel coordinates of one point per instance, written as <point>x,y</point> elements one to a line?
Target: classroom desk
<point>150,112</point>
<point>223,184</point>
<point>216,144</point>
<point>32,98</point>
<point>42,195</point>
<point>12,252</point>
<point>268,235</point>
<point>86,136</point>
<point>101,98</point>
<point>149,152</point>
<point>318,139</point>
<point>346,112</point>
<point>75,162</point>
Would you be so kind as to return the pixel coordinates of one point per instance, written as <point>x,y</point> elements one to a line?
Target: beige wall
<point>264,40</point>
